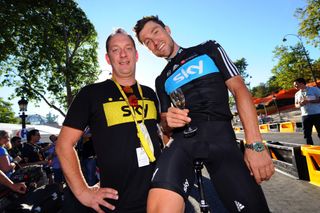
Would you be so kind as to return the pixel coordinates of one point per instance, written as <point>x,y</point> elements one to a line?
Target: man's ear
<point>167,29</point>
<point>107,58</point>
<point>137,55</point>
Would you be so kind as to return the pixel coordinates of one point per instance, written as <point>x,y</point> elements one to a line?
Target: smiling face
<point>4,139</point>
<point>122,56</point>
<point>158,40</point>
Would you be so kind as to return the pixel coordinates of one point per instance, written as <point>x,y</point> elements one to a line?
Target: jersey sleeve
<point>222,61</point>
<point>155,100</point>
<point>164,99</point>
<point>79,111</point>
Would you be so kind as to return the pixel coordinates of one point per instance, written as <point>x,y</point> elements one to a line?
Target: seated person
<point>6,162</point>
<point>31,152</point>
<point>16,150</point>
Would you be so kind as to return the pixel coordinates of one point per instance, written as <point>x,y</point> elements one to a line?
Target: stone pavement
<point>284,194</point>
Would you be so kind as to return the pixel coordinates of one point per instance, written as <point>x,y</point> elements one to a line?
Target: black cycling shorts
<point>215,144</point>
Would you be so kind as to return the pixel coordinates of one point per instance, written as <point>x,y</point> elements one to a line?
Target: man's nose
<point>123,53</point>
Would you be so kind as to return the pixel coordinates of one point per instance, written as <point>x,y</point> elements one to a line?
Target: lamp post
<point>306,54</point>
<point>274,98</point>
<point>23,104</point>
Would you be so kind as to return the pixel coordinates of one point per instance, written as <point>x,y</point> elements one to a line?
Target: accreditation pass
<point>142,157</point>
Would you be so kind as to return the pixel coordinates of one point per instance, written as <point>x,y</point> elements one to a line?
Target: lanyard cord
<point>143,142</point>
<point>127,101</point>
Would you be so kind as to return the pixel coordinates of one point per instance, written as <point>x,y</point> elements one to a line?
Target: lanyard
<point>143,141</point>
<point>127,101</point>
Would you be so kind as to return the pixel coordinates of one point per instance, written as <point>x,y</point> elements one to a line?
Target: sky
<point>249,29</point>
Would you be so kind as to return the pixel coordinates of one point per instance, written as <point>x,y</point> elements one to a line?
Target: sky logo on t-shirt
<point>193,69</point>
<point>118,112</point>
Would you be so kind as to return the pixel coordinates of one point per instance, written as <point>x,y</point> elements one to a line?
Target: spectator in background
<point>55,163</point>
<point>89,159</point>
<point>31,152</point>
<point>6,162</point>
<point>308,100</point>
<point>16,150</point>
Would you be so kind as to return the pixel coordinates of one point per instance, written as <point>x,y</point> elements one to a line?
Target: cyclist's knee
<point>163,200</point>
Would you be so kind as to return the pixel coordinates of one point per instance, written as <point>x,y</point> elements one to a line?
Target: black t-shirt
<point>200,72</point>
<point>102,107</point>
<point>31,153</point>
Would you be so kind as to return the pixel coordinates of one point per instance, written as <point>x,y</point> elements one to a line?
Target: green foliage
<point>259,91</point>
<point>6,112</point>
<point>309,21</point>
<point>242,64</point>
<point>49,50</point>
<point>51,118</point>
<point>292,64</point>
<point>265,89</point>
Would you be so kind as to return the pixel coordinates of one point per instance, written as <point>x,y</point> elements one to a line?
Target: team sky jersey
<point>102,107</point>
<point>200,72</point>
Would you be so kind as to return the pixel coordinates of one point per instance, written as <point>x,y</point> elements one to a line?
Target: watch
<point>256,146</point>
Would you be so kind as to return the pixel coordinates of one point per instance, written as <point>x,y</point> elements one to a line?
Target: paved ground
<point>284,194</point>
<point>288,195</point>
<point>294,137</point>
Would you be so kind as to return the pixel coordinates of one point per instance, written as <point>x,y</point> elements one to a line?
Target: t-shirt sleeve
<point>2,151</point>
<point>222,61</point>
<point>79,111</point>
<point>317,91</point>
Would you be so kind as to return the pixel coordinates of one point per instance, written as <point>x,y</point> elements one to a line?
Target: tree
<point>265,89</point>
<point>259,91</point>
<point>242,64</point>
<point>51,118</point>
<point>6,112</point>
<point>309,21</point>
<point>53,50</point>
<point>292,64</point>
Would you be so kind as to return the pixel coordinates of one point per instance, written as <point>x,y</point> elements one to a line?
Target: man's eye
<point>116,50</point>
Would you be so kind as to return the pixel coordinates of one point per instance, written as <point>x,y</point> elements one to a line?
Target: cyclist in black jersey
<point>204,73</point>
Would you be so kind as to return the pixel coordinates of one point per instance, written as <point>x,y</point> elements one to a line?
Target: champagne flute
<point>179,101</point>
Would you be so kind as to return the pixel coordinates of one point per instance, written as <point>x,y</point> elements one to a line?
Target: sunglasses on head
<point>132,98</point>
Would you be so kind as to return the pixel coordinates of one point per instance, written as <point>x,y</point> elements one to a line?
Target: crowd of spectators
<point>17,156</point>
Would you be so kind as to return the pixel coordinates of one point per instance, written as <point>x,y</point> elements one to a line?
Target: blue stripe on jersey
<point>193,69</point>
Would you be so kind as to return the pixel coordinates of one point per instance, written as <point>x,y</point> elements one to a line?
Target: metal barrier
<point>298,127</point>
<point>288,158</point>
<point>264,128</point>
<point>312,154</point>
<point>282,127</point>
<point>287,127</point>
<point>274,127</point>
<point>237,129</point>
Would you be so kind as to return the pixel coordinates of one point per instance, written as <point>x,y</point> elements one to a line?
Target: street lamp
<point>23,104</point>
<point>305,53</point>
<point>274,98</point>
